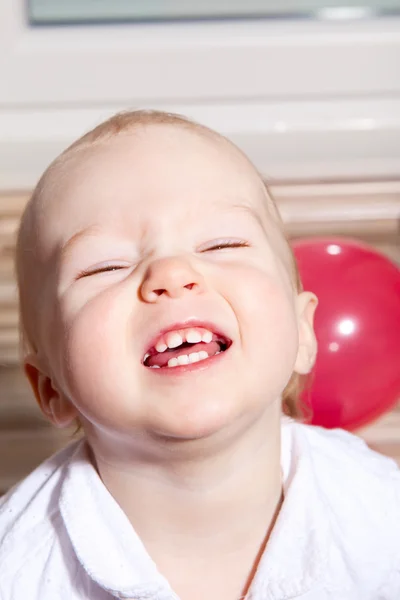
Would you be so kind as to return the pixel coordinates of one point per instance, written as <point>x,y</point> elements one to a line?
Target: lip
<point>191,322</point>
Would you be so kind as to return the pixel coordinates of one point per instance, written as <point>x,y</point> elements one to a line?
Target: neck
<point>219,497</point>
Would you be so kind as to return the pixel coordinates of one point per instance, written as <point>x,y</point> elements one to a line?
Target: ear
<point>306,303</point>
<point>52,402</point>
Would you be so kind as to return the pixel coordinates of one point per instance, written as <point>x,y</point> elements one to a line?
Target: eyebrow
<point>253,213</point>
<point>66,248</point>
<point>94,230</point>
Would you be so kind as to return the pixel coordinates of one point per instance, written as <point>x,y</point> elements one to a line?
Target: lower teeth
<point>178,365</point>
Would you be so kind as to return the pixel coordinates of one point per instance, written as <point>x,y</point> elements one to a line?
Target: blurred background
<point>309,89</point>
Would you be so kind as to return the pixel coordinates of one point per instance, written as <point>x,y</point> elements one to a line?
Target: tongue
<point>161,358</point>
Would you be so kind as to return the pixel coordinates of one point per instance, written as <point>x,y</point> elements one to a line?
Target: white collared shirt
<point>337,537</point>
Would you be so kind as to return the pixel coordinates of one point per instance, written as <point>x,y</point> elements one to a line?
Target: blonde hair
<point>118,124</point>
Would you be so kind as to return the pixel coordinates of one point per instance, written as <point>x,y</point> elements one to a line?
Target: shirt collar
<point>113,555</point>
<point>297,551</point>
<point>103,538</point>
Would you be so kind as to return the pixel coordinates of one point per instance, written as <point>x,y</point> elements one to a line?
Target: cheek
<point>267,320</point>
<point>93,342</point>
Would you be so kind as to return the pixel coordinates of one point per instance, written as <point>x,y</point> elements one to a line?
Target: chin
<point>196,422</point>
<point>213,420</point>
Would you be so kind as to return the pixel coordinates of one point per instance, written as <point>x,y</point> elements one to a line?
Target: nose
<point>170,277</point>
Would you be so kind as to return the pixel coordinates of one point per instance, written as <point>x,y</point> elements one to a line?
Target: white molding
<point>305,100</point>
<point>339,202</point>
<point>306,140</point>
<point>138,63</point>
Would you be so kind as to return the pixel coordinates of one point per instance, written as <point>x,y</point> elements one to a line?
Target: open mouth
<point>185,347</point>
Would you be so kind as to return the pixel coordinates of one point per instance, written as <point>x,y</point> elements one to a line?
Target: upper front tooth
<point>173,339</point>
<point>207,337</point>
<point>193,336</point>
<point>161,346</point>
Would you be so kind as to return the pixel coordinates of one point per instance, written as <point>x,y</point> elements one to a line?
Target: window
<point>83,11</point>
<point>306,99</point>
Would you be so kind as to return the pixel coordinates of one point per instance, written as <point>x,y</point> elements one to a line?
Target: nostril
<point>173,290</point>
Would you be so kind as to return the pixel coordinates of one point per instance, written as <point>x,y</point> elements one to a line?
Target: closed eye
<point>226,244</point>
<point>96,271</point>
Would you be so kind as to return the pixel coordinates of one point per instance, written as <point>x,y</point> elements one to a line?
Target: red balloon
<point>357,323</point>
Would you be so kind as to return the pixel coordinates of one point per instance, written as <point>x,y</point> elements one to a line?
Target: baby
<point>161,310</point>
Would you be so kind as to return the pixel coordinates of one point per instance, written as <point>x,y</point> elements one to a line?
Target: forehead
<point>152,173</point>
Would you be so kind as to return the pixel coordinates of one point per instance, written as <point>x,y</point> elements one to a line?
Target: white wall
<point>306,100</point>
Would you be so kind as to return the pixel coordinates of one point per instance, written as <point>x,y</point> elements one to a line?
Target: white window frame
<point>306,100</point>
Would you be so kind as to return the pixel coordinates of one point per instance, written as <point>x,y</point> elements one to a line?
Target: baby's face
<point>152,235</point>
